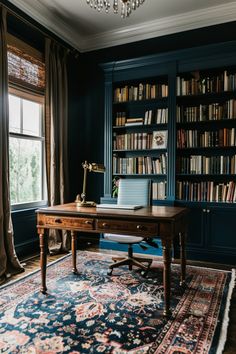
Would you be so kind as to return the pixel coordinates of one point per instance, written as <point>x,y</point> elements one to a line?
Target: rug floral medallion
<point>94,313</point>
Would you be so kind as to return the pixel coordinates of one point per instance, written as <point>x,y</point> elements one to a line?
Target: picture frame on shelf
<point>159,139</point>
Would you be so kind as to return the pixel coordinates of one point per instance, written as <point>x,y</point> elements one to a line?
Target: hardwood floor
<point>31,264</point>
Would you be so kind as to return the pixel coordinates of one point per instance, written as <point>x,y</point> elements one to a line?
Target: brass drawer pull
<point>140,227</point>
<point>105,224</point>
<point>88,222</point>
<point>59,221</point>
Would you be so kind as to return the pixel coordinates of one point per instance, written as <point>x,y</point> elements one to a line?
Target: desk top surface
<point>154,212</point>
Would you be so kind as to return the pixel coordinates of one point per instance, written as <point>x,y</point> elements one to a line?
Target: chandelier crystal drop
<point>125,6</point>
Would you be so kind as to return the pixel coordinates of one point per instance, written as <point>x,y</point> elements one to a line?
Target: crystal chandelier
<point>126,6</point>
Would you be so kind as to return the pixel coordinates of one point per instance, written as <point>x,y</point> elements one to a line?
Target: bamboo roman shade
<point>25,65</point>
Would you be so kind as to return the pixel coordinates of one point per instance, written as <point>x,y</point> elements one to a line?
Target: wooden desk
<point>162,221</point>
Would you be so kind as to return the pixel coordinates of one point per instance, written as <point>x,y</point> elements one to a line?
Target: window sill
<point>30,207</point>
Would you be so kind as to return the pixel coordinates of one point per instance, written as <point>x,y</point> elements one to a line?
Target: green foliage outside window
<point>25,171</point>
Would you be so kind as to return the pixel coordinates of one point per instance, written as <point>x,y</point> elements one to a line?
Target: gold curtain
<point>9,263</point>
<point>56,135</point>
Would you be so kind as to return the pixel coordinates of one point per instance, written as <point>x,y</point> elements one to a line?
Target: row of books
<point>159,116</point>
<point>140,165</point>
<point>198,164</point>
<point>140,92</point>
<point>140,141</point>
<point>201,113</point>
<point>159,190</point>
<point>208,191</point>
<point>202,83</point>
<point>121,120</point>
<point>195,139</point>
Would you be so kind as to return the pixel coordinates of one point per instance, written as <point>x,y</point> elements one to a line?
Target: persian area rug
<point>94,313</point>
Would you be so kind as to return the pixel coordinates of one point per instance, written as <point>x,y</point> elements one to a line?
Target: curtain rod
<point>45,34</point>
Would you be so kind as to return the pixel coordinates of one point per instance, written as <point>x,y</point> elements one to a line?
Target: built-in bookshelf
<point>171,117</point>
<point>206,136</point>
<point>140,134</point>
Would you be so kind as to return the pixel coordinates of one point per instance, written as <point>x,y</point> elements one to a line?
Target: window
<point>26,70</point>
<point>26,150</point>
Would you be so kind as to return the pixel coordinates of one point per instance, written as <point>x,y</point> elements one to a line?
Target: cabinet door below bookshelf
<point>211,234</point>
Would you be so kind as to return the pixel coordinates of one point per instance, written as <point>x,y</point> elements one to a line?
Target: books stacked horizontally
<point>134,121</point>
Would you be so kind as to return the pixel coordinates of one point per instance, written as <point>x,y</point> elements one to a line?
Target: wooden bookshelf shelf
<point>207,176</point>
<point>206,123</point>
<point>205,149</point>
<point>141,150</point>
<point>144,175</point>
<point>153,101</point>
<point>143,127</point>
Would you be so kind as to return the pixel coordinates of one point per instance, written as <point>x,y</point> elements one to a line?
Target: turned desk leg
<point>166,246</point>
<point>182,238</point>
<point>43,259</point>
<point>73,250</point>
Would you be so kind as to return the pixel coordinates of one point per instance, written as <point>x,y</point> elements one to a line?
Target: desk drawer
<point>128,227</point>
<point>64,222</point>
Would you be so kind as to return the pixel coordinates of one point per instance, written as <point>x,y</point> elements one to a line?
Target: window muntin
<point>26,151</point>
<point>14,114</point>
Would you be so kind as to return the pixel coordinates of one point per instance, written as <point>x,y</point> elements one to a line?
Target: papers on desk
<point>119,206</point>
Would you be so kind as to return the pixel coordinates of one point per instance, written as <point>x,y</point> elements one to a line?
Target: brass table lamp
<point>81,198</point>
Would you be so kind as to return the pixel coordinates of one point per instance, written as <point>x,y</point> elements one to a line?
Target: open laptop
<point>119,206</point>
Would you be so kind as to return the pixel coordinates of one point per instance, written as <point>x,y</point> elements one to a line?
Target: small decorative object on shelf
<point>115,186</point>
<point>159,140</point>
<point>81,198</point>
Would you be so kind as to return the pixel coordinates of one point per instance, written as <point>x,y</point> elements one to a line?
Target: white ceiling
<point>86,29</point>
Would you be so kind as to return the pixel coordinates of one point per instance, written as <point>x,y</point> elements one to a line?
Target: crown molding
<point>163,26</point>
<point>52,22</point>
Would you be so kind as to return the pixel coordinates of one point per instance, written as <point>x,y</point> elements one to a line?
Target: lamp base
<point>85,203</point>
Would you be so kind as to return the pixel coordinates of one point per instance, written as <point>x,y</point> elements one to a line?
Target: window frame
<point>24,94</point>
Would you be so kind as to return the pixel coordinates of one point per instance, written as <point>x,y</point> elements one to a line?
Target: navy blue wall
<point>86,105</point>
<point>92,103</point>
<point>24,221</point>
